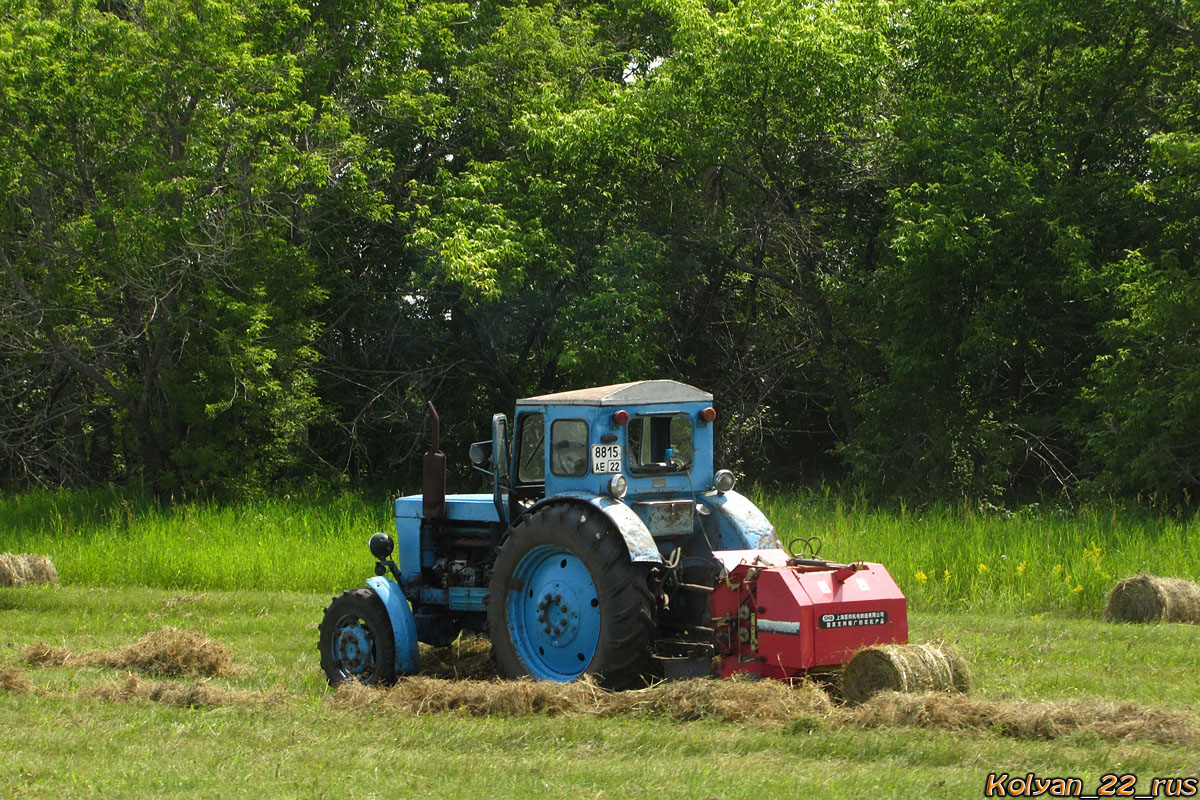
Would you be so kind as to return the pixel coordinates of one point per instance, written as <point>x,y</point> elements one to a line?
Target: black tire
<point>622,608</point>
<point>356,640</point>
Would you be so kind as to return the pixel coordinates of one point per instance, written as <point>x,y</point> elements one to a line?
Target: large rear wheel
<point>566,600</point>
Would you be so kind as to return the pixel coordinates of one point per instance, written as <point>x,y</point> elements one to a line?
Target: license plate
<point>606,458</point>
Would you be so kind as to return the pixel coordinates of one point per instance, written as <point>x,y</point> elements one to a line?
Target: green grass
<point>945,559</point>
<point>256,577</point>
<point>960,558</point>
<point>113,538</point>
<point>65,741</point>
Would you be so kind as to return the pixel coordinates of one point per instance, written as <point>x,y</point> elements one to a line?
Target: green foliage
<point>1143,393</point>
<point>944,248</point>
<point>159,163</point>
<point>1021,135</point>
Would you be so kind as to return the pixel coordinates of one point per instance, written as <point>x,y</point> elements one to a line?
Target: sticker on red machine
<point>853,619</point>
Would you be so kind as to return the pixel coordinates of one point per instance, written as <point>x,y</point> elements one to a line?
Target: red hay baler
<point>782,617</point>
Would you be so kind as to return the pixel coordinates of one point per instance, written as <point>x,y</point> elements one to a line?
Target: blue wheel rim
<point>553,614</point>
<point>354,648</point>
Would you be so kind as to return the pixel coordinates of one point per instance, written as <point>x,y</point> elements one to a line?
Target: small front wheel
<point>356,640</point>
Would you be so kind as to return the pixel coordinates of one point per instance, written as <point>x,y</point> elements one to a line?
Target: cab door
<point>527,478</point>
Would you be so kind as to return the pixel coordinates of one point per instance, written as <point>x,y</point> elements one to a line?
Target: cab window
<point>661,443</point>
<point>568,447</point>
<point>531,454</point>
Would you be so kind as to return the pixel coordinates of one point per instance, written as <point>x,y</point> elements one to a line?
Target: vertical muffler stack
<point>433,476</point>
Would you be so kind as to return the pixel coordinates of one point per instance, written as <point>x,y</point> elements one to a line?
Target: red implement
<point>782,621</point>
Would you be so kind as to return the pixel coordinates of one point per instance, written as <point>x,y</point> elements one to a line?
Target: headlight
<point>723,481</point>
<point>617,486</point>
<point>381,545</point>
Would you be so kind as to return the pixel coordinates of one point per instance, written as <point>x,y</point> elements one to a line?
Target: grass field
<point>257,578</point>
<point>299,744</point>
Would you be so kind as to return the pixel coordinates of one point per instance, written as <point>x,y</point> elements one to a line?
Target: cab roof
<point>621,394</point>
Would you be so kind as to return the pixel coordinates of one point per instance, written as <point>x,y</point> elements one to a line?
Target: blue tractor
<point>597,551</point>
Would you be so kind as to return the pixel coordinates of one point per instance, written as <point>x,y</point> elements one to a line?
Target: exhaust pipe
<point>433,477</point>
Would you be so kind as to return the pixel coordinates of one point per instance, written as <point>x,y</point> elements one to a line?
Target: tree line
<point>928,248</point>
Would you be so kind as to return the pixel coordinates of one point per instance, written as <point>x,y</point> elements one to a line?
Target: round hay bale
<point>903,668</point>
<point>24,568</point>
<point>1146,598</point>
<point>41,570</point>
<point>12,570</point>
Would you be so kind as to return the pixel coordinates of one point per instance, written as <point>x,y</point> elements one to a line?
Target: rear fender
<point>404,626</point>
<point>634,532</point>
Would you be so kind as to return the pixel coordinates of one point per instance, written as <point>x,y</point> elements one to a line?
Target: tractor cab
<point>629,441</point>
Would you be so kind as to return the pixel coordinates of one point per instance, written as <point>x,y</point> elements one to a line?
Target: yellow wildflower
<point>921,577</point>
<point>1021,568</point>
<point>946,575</point>
<point>1057,568</point>
<point>982,568</point>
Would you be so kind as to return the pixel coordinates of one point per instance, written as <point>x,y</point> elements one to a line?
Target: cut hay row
<point>755,702</point>
<point>195,695</point>
<point>1023,720</point>
<point>773,703</point>
<point>14,681</point>
<point>904,668</point>
<point>1146,598</point>
<point>767,704</point>
<point>469,658</point>
<point>168,651</point>
<point>762,703</point>
<point>25,569</point>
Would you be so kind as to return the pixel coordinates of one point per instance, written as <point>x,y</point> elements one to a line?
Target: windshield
<point>661,443</point>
